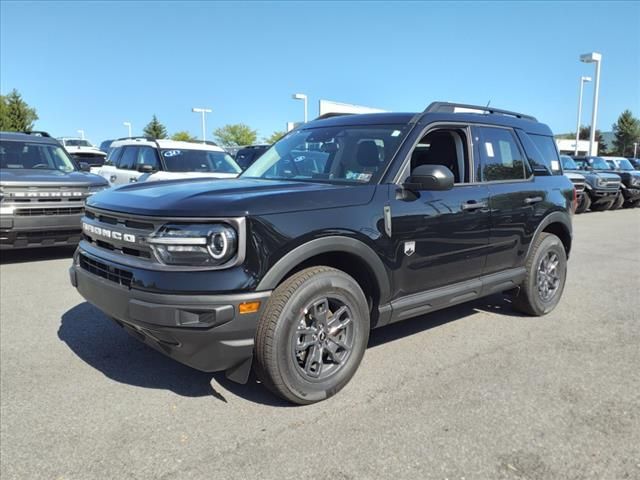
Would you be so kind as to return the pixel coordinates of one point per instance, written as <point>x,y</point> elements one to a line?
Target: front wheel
<point>312,335</point>
<point>546,275</point>
<point>601,207</point>
<point>585,203</point>
<point>617,203</point>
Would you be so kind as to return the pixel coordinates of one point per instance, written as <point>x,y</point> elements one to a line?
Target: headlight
<point>635,181</point>
<point>602,182</point>
<point>195,244</point>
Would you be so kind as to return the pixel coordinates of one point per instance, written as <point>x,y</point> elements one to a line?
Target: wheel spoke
<point>320,312</point>
<point>304,345</point>
<point>313,365</point>
<point>332,350</point>
<point>306,331</point>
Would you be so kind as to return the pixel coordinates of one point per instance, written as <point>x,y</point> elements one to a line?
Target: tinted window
<point>39,156</point>
<point>547,147</point>
<point>148,156</point>
<point>178,160</point>
<point>112,156</point>
<point>500,156</point>
<point>128,158</point>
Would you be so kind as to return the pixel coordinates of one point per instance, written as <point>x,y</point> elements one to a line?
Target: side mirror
<point>430,177</point>
<point>84,167</point>
<point>145,168</point>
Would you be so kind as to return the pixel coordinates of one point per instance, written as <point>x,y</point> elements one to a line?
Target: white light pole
<point>128,124</point>
<point>202,111</point>
<point>593,57</point>
<point>583,80</point>
<point>302,96</point>
<point>81,132</point>
<point>635,148</point>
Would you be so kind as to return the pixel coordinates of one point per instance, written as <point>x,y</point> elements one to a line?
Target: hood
<point>93,150</point>
<point>574,175</point>
<point>49,178</point>
<point>164,175</point>
<point>595,174</point>
<point>228,198</point>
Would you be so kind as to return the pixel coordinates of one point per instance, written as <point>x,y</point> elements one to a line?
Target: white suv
<point>143,159</point>
<point>83,150</point>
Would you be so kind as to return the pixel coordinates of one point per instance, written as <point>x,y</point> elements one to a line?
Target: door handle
<point>532,200</point>
<point>133,180</point>
<point>112,178</point>
<point>473,205</point>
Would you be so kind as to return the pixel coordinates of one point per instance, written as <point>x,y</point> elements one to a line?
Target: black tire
<point>292,308</point>
<point>585,203</point>
<point>617,203</point>
<point>529,298</point>
<point>601,207</point>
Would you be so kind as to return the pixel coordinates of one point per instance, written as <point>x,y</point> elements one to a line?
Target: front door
<point>440,237</point>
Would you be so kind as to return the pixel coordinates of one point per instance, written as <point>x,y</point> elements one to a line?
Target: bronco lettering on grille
<point>106,233</point>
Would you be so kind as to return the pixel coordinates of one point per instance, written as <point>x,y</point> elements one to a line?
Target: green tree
<point>15,114</point>
<point>627,132</point>
<point>183,136</point>
<point>155,129</point>
<point>274,137</point>
<point>236,134</point>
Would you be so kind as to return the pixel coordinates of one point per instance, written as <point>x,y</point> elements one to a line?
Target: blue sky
<point>94,65</point>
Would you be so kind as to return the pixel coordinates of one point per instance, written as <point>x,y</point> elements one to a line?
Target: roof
<point>526,124</point>
<point>25,137</point>
<point>164,143</point>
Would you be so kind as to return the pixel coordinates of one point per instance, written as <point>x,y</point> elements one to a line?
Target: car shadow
<point>35,254</point>
<point>108,348</point>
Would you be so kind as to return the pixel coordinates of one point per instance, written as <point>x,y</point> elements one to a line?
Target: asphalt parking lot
<point>475,391</point>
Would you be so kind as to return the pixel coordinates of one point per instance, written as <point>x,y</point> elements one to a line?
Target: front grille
<point>44,237</point>
<point>33,212</point>
<point>122,224</point>
<point>108,272</point>
<point>44,194</point>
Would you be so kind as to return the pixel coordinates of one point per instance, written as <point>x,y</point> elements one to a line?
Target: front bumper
<point>39,231</point>
<point>205,332</point>
<point>600,196</point>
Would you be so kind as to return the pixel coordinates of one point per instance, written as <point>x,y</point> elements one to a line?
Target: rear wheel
<point>312,336</point>
<point>584,205</point>
<point>546,275</point>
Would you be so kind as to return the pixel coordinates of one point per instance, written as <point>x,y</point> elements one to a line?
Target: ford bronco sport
<point>42,192</point>
<point>347,223</point>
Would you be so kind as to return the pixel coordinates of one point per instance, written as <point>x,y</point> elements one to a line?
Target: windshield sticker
<point>172,153</point>
<point>395,133</point>
<point>489,147</point>
<point>357,176</point>
<point>555,165</point>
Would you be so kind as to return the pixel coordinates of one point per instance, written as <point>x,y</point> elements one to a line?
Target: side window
<point>547,148</point>
<point>447,147</point>
<point>148,156</point>
<point>128,158</point>
<point>113,155</point>
<point>500,157</point>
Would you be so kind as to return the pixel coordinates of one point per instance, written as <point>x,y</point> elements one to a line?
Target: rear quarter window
<point>543,150</point>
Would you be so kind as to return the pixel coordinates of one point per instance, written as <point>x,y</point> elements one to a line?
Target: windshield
<point>77,143</point>
<point>41,156</point>
<point>624,164</point>
<point>353,154</point>
<point>568,163</point>
<point>598,163</point>
<point>180,160</point>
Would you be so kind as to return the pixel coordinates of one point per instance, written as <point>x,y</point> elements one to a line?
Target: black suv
<point>42,192</point>
<point>346,224</point>
<point>247,155</point>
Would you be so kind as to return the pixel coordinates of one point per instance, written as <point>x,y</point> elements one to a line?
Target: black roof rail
<point>332,114</point>
<point>151,139</point>
<point>38,133</point>
<point>206,142</point>
<point>448,107</point>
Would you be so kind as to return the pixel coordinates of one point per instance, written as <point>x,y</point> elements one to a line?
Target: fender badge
<point>409,248</point>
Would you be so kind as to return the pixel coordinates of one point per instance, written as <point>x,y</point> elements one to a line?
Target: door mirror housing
<point>146,168</point>
<point>84,167</point>
<point>430,177</point>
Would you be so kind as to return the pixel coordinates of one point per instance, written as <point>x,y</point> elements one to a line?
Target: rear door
<point>514,197</point>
